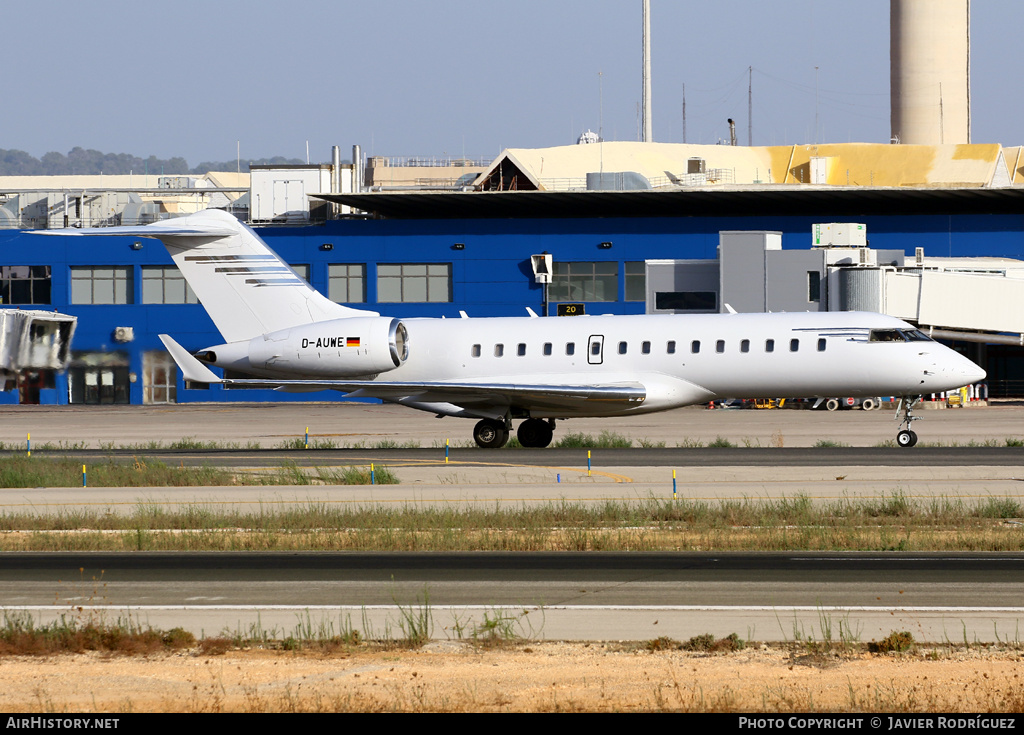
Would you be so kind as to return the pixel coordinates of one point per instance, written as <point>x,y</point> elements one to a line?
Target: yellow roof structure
<point>843,164</point>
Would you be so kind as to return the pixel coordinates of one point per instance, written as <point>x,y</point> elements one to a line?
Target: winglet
<point>192,369</point>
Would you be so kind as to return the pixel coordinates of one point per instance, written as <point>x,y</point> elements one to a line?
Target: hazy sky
<point>461,77</point>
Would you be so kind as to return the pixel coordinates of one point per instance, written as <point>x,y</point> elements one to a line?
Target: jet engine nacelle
<point>339,348</point>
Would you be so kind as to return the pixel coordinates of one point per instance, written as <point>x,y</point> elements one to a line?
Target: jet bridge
<point>33,341</point>
<point>974,296</point>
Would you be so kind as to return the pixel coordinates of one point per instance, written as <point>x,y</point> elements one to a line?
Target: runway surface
<point>768,597</point>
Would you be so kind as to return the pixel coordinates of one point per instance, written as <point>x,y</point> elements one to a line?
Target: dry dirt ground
<point>524,677</point>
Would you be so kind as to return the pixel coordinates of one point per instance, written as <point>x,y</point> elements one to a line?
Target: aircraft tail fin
<point>244,286</point>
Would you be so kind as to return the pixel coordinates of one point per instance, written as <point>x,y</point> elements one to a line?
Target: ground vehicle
<point>834,404</point>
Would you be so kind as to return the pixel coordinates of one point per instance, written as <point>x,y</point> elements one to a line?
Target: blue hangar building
<point>434,254</point>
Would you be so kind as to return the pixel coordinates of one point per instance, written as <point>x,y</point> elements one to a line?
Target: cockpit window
<point>898,335</point>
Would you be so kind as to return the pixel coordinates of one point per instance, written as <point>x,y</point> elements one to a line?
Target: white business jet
<point>289,337</point>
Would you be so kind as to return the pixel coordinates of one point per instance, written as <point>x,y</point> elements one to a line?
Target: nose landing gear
<point>907,437</point>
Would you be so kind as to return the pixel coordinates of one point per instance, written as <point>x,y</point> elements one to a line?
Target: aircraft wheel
<point>832,404</point>
<point>867,404</point>
<point>535,433</point>
<point>490,434</point>
<point>906,438</point>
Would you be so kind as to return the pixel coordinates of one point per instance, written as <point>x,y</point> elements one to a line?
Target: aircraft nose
<point>974,373</point>
<point>968,370</point>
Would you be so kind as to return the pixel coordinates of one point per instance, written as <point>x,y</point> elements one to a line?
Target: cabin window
<point>521,349</point>
<point>821,344</point>
<point>476,351</point>
<point>794,345</point>
<point>745,345</point>
<point>570,348</point>
<point>769,345</point>
<point>346,283</point>
<point>670,348</point>
<point>720,346</point>
<point>622,348</point>
<point>164,284</point>
<point>547,348</point>
<point>695,346</point>
<point>645,347</point>
<point>30,284</point>
<point>499,350</point>
<point>595,348</point>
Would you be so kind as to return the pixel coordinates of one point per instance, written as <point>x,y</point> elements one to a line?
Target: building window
<point>164,284</point>
<point>301,270</point>
<point>686,301</point>
<point>813,286</point>
<point>586,281</point>
<point>346,283</point>
<point>414,282</point>
<point>636,281</point>
<point>25,284</point>
<point>102,285</point>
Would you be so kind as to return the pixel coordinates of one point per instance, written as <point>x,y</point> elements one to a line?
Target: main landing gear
<point>907,437</point>
<point>490,434</point>
<point>493,434</point>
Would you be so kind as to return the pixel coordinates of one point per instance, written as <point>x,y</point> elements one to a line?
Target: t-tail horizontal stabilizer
<point>191,368</point>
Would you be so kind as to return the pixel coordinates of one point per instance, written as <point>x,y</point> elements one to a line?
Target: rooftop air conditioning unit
<point>124,334</point>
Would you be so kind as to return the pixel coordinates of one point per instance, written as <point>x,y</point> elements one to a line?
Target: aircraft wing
<point>163,228</point>
<point>481,396</point>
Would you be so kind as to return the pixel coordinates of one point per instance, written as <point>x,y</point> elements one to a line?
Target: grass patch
<point>17,470</point>
<point>705,643</point>
<point>786,524</point>
<point>20,635</point>
<point>605,440</point>
<point>896,642</point>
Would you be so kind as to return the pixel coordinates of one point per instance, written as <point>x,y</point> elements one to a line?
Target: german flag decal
<point>352,342</point>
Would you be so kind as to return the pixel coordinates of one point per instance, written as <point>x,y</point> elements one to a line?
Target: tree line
<point>89,162</point>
